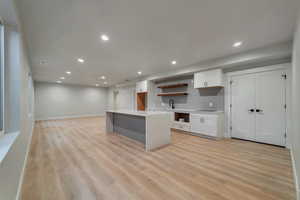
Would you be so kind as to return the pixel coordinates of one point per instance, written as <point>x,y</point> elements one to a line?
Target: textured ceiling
<point>145,35</point>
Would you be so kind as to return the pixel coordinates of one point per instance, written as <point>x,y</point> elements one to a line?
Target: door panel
<point>270,98</point>
<point>243,99</point>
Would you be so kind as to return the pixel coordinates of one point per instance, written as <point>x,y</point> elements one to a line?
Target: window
<point>1,78</point>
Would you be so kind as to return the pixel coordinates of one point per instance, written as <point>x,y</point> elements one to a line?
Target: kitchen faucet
<point>171,103</point>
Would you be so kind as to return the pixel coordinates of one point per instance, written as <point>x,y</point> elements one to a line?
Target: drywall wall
<point>60,100</point>
<point>122,97</point>
<point>296,100</point>
<point>196,98</point>
<point>12,80</point>
<point>12,167</point>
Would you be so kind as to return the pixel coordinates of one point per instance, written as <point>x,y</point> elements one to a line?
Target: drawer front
<point>181,126</point>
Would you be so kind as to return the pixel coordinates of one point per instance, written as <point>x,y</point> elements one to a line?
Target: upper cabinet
<point>211,78</point>
<point>142,86</point>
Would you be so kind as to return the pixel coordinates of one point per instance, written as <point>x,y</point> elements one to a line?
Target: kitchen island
<point>152,128</point>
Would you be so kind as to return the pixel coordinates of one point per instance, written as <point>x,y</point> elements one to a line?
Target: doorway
<point>258,107</point>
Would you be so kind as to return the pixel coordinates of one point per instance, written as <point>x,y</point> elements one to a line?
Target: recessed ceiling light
<point>62,78</point>
<point>105,82</point>
<point>103,77</point>
<point>104,37</point>
<point>58,82</point>
<point>174,62</point>
<point>80,60</point>
<point>237,44</point>
<point>139,73</point>
<point>97,85</point>
<point>68,72</point>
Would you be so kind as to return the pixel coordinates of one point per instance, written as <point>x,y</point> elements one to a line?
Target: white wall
<point>18,116</point>
<point>60,100</point>
<point>121,97</point>
<point>296,103</point>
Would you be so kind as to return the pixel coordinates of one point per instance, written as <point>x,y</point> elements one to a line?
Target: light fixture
<point>174,62</point>
<point>80,60</point>
<point>68,72</point>
<point>139,73</point>
<point>237,44</point>
<point>105,83</point>
<point>97,85</point>
<point>62,78</point>
<point>104,37</point>
<point>58,82</point>
<point>103,77</point>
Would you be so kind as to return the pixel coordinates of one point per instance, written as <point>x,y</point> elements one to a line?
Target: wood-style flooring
<point>76,160</point>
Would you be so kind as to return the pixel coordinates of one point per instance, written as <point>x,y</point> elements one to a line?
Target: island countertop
<point>138,113</point>
<point>152,128</point>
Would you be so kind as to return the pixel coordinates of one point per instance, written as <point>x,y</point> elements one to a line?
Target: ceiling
<point>7,12</point>
<point>145,35</point>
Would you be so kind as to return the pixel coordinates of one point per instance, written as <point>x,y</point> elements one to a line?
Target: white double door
<point>258,110</point>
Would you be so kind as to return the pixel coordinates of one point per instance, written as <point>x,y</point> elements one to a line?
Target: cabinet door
<point>204,124</point>
<point>199,80</point>
<point>270,105</point>
<point>212,78</point>
<point>141,86</point>
<point>243,100</point>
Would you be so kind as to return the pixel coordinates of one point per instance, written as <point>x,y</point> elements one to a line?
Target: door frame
<point>228,76</point>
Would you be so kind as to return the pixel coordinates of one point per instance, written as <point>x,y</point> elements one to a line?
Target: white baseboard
<point>70,117</point>
<point>18,196</point>
<point>295,175</point>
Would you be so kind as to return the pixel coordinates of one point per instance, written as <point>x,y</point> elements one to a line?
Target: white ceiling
<point>7,12</point>
<point>145,34</point>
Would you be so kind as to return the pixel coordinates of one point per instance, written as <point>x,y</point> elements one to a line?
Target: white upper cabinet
<point>211,78</point>
<point>142,86</point>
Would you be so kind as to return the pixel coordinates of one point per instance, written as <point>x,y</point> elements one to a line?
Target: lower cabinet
<point>182,126</point>
<point>208,124</point>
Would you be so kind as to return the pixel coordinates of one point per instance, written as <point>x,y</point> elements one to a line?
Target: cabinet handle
<point>251,110</point>
<point>259,110</point>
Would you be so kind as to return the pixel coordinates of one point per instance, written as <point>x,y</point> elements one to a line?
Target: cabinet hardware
<point>284,76</point>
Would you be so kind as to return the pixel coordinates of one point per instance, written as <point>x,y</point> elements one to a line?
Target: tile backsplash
<point>206,99</point>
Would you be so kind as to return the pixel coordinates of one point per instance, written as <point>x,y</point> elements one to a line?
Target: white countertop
<point>196,111</point>
<point>138,113</point>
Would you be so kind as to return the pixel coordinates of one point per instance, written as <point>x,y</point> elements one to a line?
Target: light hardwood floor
<point>75,159</point>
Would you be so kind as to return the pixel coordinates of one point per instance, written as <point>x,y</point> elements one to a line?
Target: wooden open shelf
<point>173,86</point>
<point>173,94</point>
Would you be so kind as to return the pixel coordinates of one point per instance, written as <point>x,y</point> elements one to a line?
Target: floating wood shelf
<point>173,94</point>
<point>173,86</point>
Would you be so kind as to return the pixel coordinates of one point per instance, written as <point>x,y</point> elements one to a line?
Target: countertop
<point>196,111</point>
<point>138,113</point>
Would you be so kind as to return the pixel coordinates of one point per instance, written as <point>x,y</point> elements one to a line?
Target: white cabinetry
<point>184,126</point>
<point>142,86</point>
<point>208,124</point>
<point>211,78</point>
